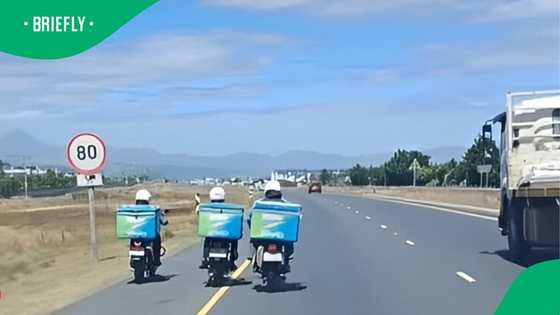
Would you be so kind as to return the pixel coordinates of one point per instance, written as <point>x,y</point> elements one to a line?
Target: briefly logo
<point>58,24</point>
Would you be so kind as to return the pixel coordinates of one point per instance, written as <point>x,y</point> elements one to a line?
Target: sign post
<point>92,232</point>
<point>86,153</point>
<point>484,169</point>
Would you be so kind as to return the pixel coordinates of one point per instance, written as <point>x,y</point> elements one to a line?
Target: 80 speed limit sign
<point>86,154</point>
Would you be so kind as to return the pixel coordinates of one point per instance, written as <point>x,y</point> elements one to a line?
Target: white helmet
<point>217,194</point>
<point>272,185</point>
<point>144,195</point>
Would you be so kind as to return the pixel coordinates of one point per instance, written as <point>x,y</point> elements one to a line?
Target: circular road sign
<point>86,154</point>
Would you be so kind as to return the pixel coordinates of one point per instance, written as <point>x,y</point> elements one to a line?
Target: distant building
<point>28,170</point>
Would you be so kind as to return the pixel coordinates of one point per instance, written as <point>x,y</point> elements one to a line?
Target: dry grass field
<point>44,261</point>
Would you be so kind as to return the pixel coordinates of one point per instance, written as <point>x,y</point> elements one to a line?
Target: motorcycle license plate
<point>136,252</point>
<point>218,255</point>
<point>268,257</point>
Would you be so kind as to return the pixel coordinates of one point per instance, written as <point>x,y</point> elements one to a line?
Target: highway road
<point>355,256</point>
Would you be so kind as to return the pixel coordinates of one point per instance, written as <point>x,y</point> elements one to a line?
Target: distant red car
<point>315,188</point>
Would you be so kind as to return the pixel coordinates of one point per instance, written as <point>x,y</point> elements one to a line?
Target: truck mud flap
<point>541,224</point>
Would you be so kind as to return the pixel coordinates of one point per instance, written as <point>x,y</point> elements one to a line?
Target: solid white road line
<point>480,216</point>
<point>368,217</point>
<point>411,243</point>
<point>465,277</point>
<point>383,226</point>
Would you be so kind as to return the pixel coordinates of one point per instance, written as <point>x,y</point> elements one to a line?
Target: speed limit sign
<point>86,153</point>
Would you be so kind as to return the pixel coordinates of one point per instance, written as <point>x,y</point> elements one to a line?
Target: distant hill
<point>17,144</point>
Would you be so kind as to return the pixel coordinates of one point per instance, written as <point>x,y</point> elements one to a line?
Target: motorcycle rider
<point>218,195</point>
<point>143,197</point>
<point>273,192</point>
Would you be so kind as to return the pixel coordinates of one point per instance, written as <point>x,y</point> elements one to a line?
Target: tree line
<point>14,185</point>
<point>397,171</point>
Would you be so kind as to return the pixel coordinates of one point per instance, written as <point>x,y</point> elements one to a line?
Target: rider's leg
<point>254,246</point>
<point>288,252</point>
<point>289,248</point>
<point>234,254</point>
<point>205,253</point>
<point>156,246</point>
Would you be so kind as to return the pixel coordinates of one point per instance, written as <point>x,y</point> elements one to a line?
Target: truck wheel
<point>518,248</point>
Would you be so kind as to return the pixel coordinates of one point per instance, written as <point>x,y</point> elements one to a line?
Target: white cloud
<point>532,47</point>
<point>90,79</point>
<point>518,9</point>
<point>475,9</point>
<point>354,129</point>
<point>23,115</point>
<point>256,4</point>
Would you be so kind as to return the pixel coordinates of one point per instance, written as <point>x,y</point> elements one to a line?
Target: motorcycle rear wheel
<point>138,275</point>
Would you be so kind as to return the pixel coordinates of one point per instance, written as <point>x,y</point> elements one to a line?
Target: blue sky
<point>222,76</point>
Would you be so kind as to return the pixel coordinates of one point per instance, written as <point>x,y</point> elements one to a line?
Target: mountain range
<point>19,147</point>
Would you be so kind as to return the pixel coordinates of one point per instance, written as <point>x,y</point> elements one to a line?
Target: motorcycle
<point>142,260</point>
<point>268,261</point>
<point>219,265</point>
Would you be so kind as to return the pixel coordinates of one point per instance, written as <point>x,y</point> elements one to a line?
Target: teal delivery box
<point>220,220</point>
<point>275,221</point>
<point>138,221</point>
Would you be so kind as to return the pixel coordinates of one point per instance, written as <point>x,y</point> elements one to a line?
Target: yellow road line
<point>220,293</point>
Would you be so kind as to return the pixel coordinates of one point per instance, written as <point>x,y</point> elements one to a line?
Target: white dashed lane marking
<point>368,217</point>
<point>383,226</point>
<point>411,243</point>
<point>465,277</point>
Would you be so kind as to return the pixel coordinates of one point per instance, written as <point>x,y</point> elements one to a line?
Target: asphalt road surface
<point>355,256</point>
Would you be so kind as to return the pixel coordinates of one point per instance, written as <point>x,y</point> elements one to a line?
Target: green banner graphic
<point>54,29</point>
<point>536,291</point>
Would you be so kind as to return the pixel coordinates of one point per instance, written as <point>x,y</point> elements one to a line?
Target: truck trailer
<point>529,171</point>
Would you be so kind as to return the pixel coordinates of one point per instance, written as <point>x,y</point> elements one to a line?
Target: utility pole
<point>25,185</point>
<point>414,175</point>
<point>413,167</point>
<point>384,176</point>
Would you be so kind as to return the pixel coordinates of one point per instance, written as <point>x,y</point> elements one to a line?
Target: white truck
<point>530,171</point>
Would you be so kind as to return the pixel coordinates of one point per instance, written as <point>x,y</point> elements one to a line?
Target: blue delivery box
<point>273,220</point>
<point>220,220</point>
<point>138,221</point>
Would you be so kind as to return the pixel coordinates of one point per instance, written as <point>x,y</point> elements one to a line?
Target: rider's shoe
<point>203,265</point>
